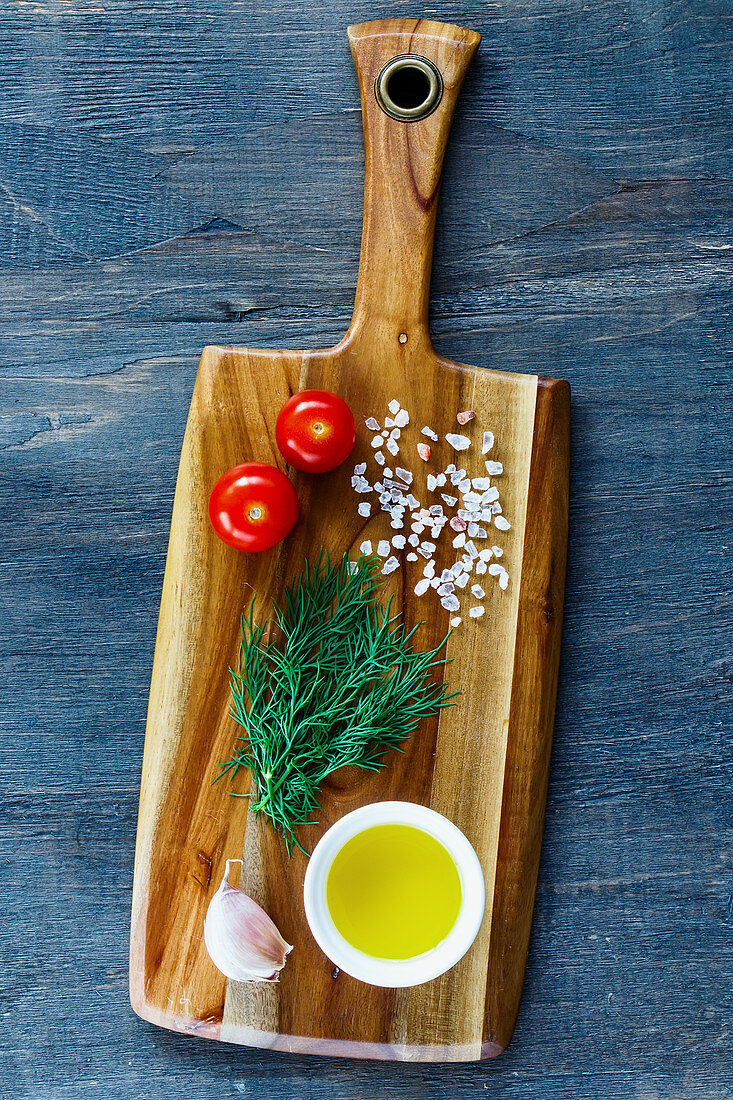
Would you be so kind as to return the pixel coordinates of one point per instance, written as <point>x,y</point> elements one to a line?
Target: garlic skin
<point>242,941</point>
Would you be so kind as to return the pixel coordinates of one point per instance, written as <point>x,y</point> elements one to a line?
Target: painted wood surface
<point>484,764</point>
<point>584,231</point>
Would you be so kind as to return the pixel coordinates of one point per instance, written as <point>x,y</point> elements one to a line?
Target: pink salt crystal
<point>424,451</point>
<point>458,524</point>
<point>464,417</point>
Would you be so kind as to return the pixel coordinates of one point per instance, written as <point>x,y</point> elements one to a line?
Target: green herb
<point>338,684</point>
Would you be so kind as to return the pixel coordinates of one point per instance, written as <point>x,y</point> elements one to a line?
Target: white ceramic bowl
<point>395,973</point>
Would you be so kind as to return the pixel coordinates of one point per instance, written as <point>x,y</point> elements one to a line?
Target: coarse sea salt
<point>394,406</point>
<point>465,417</point>
<point>502,523</point>
<point>497,551</point>
<point>494,468</point>
<point>383,548</point>
<point>458,442</point>
<point>372,424</point>
<point>365,508</point>
<point>377,441</point>
<point>450,603</point>
<point>503,580</point>
<point>366,547</point>
<point>398,541</point>
<point>392,446</point>
<point>390,565</point>
<point>462,580</point>
<point>478,591</point>
<point>429,433</point>
<point>411,556</point>
<point>422,586</point>
<point>456,620</point>
<point>403,475</point>
<point>476,612</point>
<point>379,457</point>
<point>402,419</point>
<point>423,451</point>
<point>488,443</point>
<point>459,540</point>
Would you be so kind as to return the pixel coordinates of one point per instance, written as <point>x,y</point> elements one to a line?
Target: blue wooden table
<point>178,174</point>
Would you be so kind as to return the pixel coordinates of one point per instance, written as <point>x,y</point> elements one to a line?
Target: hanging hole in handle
<point>408,88</point>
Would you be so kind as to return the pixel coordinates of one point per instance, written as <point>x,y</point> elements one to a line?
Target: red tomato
<point>253,506</point>
<point>315,431</point>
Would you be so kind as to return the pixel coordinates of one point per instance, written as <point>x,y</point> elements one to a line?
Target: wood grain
<point>582,231</point>
<point>465,765</point>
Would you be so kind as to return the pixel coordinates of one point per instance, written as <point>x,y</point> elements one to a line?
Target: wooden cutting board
<point>484,764</point>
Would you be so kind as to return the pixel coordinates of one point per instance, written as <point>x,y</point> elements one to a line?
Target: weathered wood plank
<point>628,986</point>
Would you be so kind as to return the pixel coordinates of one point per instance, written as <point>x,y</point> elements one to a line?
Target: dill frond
<point>338,685</point>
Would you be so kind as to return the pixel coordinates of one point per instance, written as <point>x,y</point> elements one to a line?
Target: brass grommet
<point>408,88</point>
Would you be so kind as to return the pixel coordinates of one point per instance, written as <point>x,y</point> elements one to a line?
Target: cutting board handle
<point>407,111</point>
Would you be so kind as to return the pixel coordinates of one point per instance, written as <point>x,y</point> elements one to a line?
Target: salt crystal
<point>387,472</point>
<point>394,407</point>
<point>451,468</point>
<point>379,457</point>
<point>388,422</point>
<point>377,441</point>
<point>464,486</point>
<point>403,474</point>
<point>366,547</point>
<point>495,508</point>
<point>435,510</point>
<point>446,589</point>
<point>429,546</point>
<point>457,476</point>
<point>456,569</point>
<point>390,565</point>
<point>417,527</point>
<point>392,446</point>
<point>458,523</point>
<point>425,553</point>
<point>456,620</point>
<point>385,498</point>
<point>503,580</point>
<point>398,541</point>
<point>372,424</point>
<point>383,548</point>
<point>481,533</point>
<point>424,451</point>
<point>365,508</point>
<point>449,500</point>
<point>402,419</point>
<point>429,570</point>
<point>429,433</point>
<point>497,551</point>
<point>462,580</point>
<point>450,603</point>
<point>440,479</point>
<point>385,433</point>
<point>352,567</point>
<point>422,586</point>
<point>432,483</point>
<point>502,523</point>
<point>360,468</point>
<point>435,582</point>
<point>411,556</point>
<point>471,550</point>
<point>458,442</point>
<point>480,568</point>
<point>414,540</point>
<point>481,483</point>
<point>478,591</point>
<point>459,540</point>
<point>464,417</point>
<point>476,612</point>
<point>472,530</point>
<point>412,502</point>
<point>363,488</point>
<point>490,495</point>
<point>485,555</point>
<point>495,570</point>
<point>488,443</point>
<point>396,524</point>
<point>494,468</point>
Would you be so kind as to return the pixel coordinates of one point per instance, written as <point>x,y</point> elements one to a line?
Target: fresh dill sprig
<point>338,684</point>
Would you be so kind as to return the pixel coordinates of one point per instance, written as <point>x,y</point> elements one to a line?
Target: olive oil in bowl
<point>393,891</point>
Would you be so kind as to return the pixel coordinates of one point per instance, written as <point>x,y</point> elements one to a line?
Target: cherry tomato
<point>253,506</point>
<point>315,431</point>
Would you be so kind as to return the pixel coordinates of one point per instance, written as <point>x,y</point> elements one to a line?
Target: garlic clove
<point>242,941</point>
